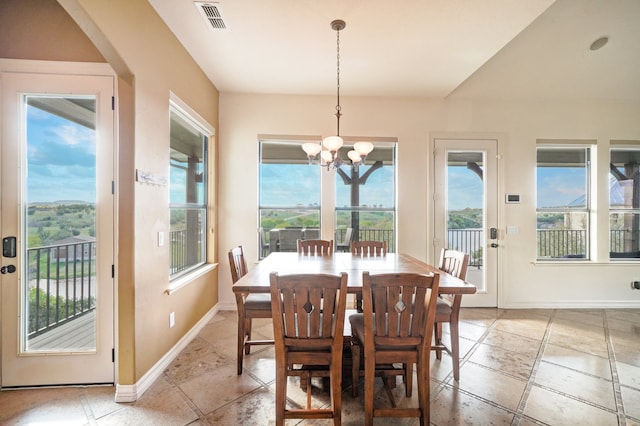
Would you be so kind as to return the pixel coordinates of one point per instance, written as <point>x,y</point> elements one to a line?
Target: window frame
<point>621,209</point>
<point>589,151</point>
<point>383,235</point>
<point>198,124</point>
<point>290,146</point>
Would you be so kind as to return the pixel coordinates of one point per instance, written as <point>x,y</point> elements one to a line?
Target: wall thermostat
<point>512,198</point>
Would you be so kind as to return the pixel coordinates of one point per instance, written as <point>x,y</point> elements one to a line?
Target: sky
<point>293,184</point>
<point>61,158</point>
<point>560,186</point>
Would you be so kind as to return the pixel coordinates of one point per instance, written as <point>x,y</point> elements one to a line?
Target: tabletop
<point>257,279</point>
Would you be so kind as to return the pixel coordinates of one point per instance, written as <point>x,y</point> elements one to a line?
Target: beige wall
<point>150,64</point>
<point>523,282</point>
<point>41,29</point>
<point>132,37</point>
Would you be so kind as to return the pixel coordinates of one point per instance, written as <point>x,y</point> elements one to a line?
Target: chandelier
<point>328,150</point>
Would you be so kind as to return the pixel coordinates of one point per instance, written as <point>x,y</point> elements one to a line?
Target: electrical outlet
<point>172,319</point>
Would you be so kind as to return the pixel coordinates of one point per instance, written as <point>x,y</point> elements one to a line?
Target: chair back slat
<point>454,262</point>
<point>238,263</point>
<point>310,306</point>
<point>315,247</point>
<point>401,304</point>
<point>369,248</point>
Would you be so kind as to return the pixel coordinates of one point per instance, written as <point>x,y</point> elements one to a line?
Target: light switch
<point>512,229</point>
<point>160,239</point>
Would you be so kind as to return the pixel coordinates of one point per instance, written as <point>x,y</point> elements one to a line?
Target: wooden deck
<point>77,335</point>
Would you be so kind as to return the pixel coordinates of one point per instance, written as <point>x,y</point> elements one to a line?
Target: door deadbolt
<point>10,269</point>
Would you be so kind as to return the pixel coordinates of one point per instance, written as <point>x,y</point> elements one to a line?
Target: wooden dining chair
<point>395,328</point>
<point>369,248</point>
<point>448,308</point>
<point>315,247</point>
<point>255,305</point>
<point>308,321</point>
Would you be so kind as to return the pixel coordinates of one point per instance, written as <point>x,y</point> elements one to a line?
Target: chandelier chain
<point>338,108</point>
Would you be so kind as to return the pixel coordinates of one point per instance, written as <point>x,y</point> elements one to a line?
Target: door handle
<point>10,269</point>
<point>494,245</point>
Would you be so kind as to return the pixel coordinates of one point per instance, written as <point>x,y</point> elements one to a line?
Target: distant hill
<point>58,202</point>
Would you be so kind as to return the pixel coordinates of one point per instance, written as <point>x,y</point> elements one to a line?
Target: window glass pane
<point>562,203</point>
<point>187,194</point>
<point>365,198</point>
<point>289,191</point>
<point>623,235</point>
<point>562,178</point>
<point>624,204</point>
<point>562,235</point>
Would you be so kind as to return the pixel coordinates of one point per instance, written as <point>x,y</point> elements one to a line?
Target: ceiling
<point>416,48</point>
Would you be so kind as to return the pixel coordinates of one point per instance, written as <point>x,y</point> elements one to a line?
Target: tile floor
<point>520,367</point>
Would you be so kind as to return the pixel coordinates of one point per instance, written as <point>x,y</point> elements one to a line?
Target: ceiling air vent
<point>212,15</point>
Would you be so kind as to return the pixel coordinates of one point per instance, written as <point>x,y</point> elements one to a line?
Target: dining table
<point>257,279</point>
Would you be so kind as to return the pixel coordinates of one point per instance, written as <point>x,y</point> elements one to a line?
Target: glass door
<point>466,210</point>
<point>57,211</point>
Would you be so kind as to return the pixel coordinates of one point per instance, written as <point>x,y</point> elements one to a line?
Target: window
<point>187,193</point>
<point>289,191</point>
<point>563,202</point>
<point>365,198</point>
<point>624,203</point>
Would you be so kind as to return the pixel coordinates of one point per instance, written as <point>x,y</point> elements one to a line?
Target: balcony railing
<point>571,243</point>
<point>61,284</point>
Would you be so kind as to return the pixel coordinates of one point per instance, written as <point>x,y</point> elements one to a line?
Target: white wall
<point>523,282</point>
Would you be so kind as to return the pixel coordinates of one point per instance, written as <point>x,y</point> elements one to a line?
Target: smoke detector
<point>212,15</point>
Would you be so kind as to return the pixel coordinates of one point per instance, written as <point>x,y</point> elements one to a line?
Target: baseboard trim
<point>577,304</point>
<point>131,393</point>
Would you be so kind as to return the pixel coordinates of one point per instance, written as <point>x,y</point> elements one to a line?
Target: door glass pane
<point>465,201</point>
<point>59,292</point>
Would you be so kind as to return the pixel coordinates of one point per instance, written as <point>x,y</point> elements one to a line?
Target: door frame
<point>432,253</point>
<point>100,70</point>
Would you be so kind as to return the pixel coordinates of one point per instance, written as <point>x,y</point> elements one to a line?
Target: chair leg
<point>408,379</point>
<point>355,367</point>
<point>424,392</point>
<point>437,332</point>
<point>336,394</point>
<point>455,349</point>
<point>240,348</point>
<point>281,392</point>
<point>247,330</point>
<point>369,377</point>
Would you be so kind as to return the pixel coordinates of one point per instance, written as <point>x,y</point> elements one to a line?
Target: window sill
<point>584,262</point>
<point>187,279</point>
